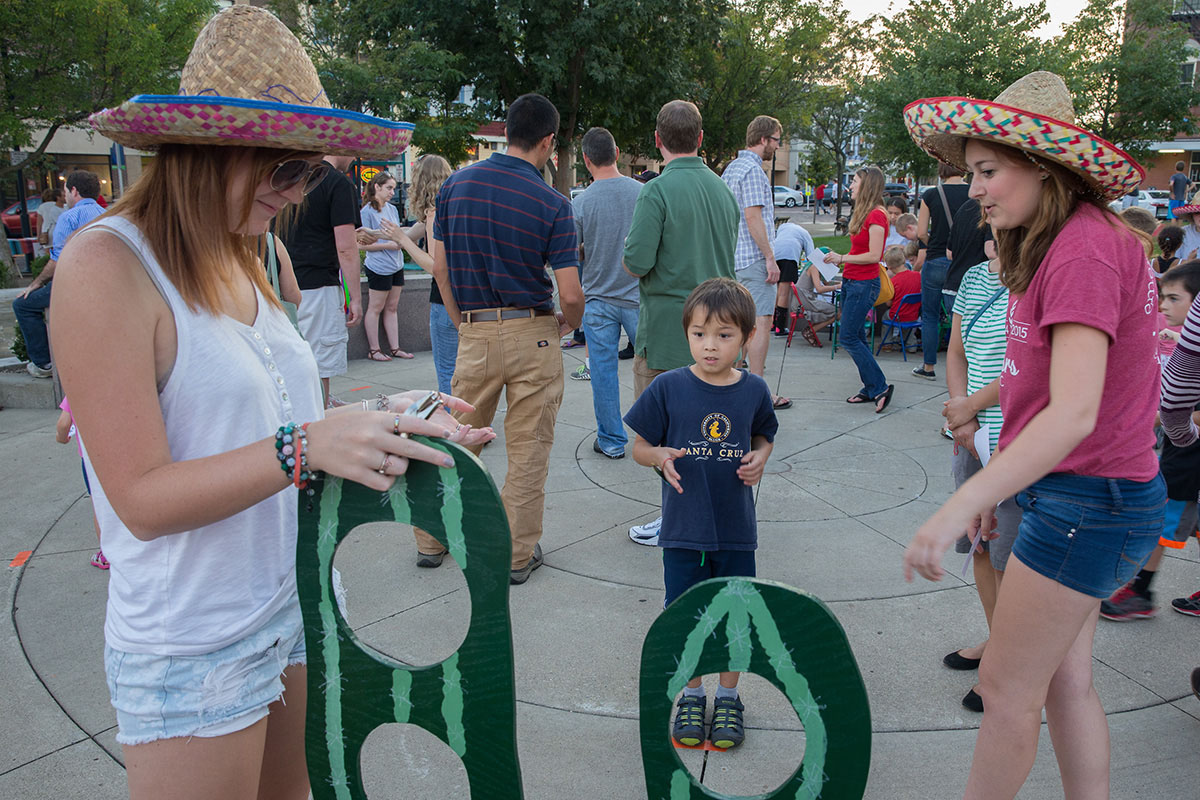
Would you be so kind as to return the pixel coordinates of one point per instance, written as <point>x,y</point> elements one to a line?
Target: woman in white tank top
<point>182,367</point>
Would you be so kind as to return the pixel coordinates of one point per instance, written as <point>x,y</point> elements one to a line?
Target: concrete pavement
<point>844,492</point>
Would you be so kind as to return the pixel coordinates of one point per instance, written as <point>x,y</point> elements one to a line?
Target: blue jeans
<point>858,298</point>
<point>933,278</point>
<point>602,323</point>
<point>443,335</point>
<point>30,311</point>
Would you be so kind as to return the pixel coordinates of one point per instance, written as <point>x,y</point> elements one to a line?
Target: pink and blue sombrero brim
<point>147,121</point>
<point>940,125</point>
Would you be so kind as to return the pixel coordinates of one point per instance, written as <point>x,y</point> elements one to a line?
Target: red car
<point>12,217</point>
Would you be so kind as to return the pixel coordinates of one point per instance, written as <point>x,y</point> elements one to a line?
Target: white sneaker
<point>37,372</point>
<point>646,534</point>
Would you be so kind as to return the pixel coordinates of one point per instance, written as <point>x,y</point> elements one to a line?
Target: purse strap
<point>272,264</point>
<point>946,207</point>
<point>979,313</point>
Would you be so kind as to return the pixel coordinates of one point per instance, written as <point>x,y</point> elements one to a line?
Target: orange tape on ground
<point>360,388</point>
<point>21,558</point>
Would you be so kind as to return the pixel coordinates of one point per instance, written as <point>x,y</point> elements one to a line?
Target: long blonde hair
<point>181,206</point>
<point>429,174</point>
<point>868,197</point>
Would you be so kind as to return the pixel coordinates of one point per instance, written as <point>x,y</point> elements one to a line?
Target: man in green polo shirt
<point>684,232</point>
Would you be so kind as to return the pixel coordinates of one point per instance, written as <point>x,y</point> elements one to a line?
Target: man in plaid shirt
<point>754,256</point>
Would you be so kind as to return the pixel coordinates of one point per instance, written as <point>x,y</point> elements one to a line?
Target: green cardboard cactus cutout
<point>469,699</point>
<point>789,638</point>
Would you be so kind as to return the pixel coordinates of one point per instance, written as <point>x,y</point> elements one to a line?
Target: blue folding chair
<point>890,326</point>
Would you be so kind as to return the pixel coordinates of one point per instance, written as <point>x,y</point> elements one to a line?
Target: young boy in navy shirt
<point>708,430</point>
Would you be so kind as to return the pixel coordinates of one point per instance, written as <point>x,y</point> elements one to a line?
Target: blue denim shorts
<point>1090,534</point>
<point>163,697</point>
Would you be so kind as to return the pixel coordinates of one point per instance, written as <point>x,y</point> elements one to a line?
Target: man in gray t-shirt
<point>603,214</point>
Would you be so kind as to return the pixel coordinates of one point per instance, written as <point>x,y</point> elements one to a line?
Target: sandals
<point>396,352</point>
<point>727,724</point>
<point>688,729</point>
<point>886,398</point>
<point>378,355</point>
<point>780,403</point>
<point>861,397</point>
<point>99,561</point>
<point>810,337</point>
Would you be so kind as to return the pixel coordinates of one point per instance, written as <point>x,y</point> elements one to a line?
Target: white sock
<point>688,691</point>
<point>587,363</point>
<point>724,693</point>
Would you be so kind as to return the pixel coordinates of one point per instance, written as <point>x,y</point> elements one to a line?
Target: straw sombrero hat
<point>1188,209</point>
<point>248,82</point>
<point>1034,114</point>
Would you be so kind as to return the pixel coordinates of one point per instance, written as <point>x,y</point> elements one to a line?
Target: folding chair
<point>799,317</point>
<point>891,327</point>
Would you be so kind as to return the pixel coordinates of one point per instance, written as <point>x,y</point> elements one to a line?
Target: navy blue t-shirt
<point>501,225</point>
<point>715,424</point>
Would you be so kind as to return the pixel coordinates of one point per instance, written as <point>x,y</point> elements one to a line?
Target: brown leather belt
<point>495,314</point>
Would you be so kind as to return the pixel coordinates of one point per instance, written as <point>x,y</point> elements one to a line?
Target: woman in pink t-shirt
<point>1079,392</point>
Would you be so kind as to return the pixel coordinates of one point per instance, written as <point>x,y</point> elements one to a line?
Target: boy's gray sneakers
<point>518,576</point>
<point>39,372</point>
<point>646,534</point>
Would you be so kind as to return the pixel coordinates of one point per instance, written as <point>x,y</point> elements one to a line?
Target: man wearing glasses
<point>319,237</point>
<point>497,226</point>
<point>754,256</point>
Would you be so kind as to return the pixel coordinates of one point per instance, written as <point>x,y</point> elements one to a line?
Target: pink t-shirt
<point>1094,274</point>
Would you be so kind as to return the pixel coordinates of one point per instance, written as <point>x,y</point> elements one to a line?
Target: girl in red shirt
<point>860,287</point>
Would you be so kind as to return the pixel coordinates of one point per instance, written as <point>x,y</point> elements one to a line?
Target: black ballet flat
<point>973,702</point>
<point>957,660</point>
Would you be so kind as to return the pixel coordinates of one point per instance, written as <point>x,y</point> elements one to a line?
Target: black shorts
<point>789,271</point>
<point>683,569</point>
<point>384,283</point>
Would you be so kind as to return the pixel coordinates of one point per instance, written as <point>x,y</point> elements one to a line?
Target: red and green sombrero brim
<point>147,121</point>
<point>940,125</point>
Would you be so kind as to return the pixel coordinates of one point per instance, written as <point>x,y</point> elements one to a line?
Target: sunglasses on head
<point>296,171</point>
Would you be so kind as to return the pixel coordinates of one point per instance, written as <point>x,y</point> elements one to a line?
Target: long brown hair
<point>181,206</point>
<point>868,197</point>
<point>1022,250</point>
<point>374,185</point>
<point>429,174</point>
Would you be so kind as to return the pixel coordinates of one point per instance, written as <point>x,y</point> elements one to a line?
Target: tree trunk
<point>564,177</point>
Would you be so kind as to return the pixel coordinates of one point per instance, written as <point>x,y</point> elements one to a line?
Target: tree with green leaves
<point>606,62</point>
<point>835,121</point>
<point>370,61</point>
<point>61,60</point>
<point>1121,60</point>
<point>938,48</point>
<point>767,59</point>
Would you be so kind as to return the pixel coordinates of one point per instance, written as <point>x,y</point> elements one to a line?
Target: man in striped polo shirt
<point>497,227</point>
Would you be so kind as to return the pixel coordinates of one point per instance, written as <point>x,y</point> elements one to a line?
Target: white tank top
<point>232,384</point>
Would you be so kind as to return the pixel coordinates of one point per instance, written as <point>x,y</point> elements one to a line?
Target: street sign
<point>17,157</point>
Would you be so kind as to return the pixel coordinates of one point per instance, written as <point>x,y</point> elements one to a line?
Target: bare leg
<point>390,324</point>
<point>783,295</point>
<point>1036,624</point>
<point>1156,557</point>
<point>1077,724</point>
<point>756,353</point>
<point>375,301</point>
<point>284,771</point>
<point>195,768</point>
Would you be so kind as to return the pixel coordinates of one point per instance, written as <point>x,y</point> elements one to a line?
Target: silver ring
<point>384,464</point>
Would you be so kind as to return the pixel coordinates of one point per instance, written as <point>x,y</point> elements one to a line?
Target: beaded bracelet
<point>290,446</point>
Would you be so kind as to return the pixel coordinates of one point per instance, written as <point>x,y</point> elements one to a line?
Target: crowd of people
<point>225,315</point>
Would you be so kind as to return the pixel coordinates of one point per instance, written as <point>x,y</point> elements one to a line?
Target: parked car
<point>1156,201</point>
<point>897,190</point>
<point>788,197</point>
<point>576,191</point>
<point>12,217</point>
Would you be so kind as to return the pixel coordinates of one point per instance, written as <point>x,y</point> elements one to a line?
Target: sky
<point>1061,11</point>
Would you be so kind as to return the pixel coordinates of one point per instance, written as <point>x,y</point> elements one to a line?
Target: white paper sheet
<point>828,271</point>
<point>983,443</point>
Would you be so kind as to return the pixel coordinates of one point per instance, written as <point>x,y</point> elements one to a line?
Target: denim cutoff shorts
<point>1088,533</point>
<point>163,697</point>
